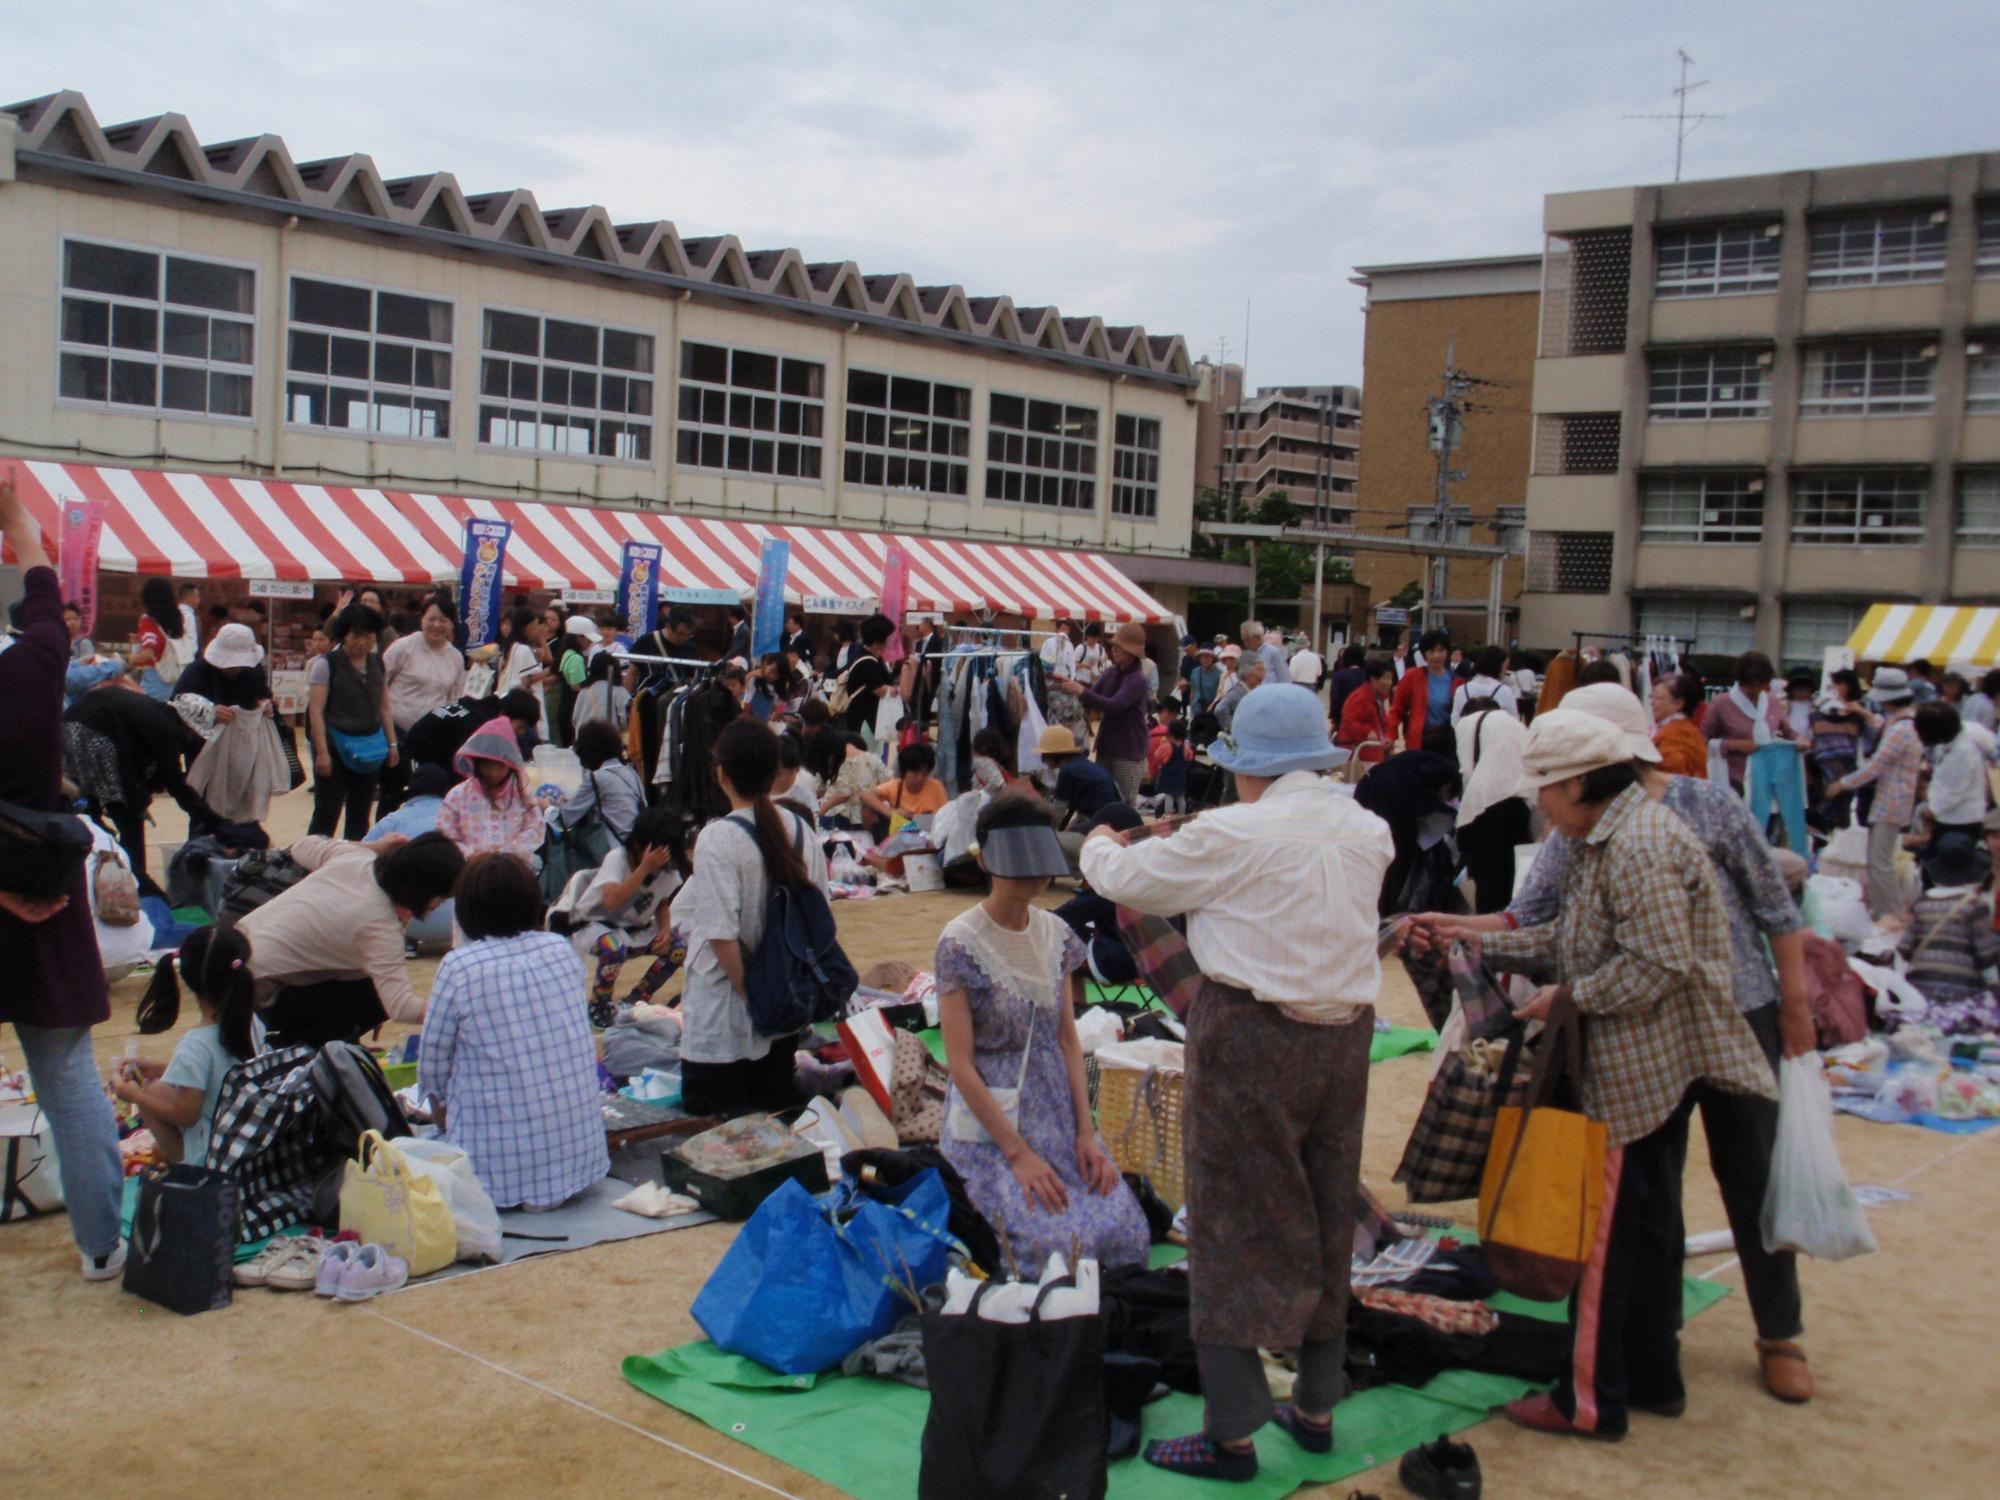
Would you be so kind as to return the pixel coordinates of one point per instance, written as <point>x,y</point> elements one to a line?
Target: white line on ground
<point>564,1396</point>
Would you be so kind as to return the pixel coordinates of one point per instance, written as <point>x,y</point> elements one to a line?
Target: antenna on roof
<point>1685,124</point>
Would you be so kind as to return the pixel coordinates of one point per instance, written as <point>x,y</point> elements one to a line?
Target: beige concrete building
<point>223,308</point>
<point>1763,403</point>
<point>1483,315</point>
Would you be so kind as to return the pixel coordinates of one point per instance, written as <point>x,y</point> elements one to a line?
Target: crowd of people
<point>1366,788</point>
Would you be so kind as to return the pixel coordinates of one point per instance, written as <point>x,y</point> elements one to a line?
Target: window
<point>562,387</point>
<point>1719,508</point>
<point>905,434</point>
<point>1875,249</point>
<point>1135,467</point>
<point>1699,385</point>
<point>1979,507</point>
<point>1041,453</point>
<point>1982,376</point>
<point>151,331</point>
<point>361,360</point>
<point>1717,627</point>
<point>1845,509</point>
<point>1569,562</point>
<point>1719,262</point>
<point>1989,239</point>
<point>751,413</point>
<point>1871,380</point>
<point>1812,625</point>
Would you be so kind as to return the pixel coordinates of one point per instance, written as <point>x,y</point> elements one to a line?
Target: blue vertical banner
<point>639,587</point>
<point>767,628</point>
<point>479,582</point>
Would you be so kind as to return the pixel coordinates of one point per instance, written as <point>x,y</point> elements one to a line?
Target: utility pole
<point>1685,124</point>
<point>1446,430</point>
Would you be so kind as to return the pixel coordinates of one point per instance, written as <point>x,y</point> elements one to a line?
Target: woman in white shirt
<point>522,666</point>
<point>1488,680</point>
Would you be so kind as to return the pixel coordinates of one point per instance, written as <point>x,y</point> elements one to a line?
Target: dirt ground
<point>507,1382</point>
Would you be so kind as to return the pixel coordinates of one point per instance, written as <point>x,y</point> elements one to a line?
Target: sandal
<point>1198,1458</point>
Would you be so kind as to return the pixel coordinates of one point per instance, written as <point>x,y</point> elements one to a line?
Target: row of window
<point>1878,247</point>
<point>1840,509</point>
<point>1884,377</point>
<point>1725,627</point>
<point>155,331</point>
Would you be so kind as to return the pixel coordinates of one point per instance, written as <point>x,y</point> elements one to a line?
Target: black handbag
<point>1017,1409</point>
<point>41,853</point>
<point>183,1245</point>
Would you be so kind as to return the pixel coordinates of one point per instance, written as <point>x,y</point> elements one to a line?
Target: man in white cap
<point>1892,770</point>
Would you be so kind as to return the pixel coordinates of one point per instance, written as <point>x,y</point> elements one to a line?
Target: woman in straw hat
<point>1640,946</point>
<point>1277,1064</point>
<point>1741,1129</point>
<point>1120,695</point>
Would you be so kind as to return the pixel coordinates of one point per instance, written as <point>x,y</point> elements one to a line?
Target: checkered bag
<point>1446,1153</point>
<point>1165,961</point>
<point>269,1138</point>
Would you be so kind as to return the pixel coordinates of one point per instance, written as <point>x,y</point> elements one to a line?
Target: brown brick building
<point>1484,314</point>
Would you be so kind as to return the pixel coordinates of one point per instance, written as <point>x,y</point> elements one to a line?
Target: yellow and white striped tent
<point>1955,634</point>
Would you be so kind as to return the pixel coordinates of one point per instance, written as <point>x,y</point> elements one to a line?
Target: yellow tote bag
<point>1542,1192</point>
<point>387,1204</point>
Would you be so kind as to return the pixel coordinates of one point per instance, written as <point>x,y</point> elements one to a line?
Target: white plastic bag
<point>1808,1206</point>
<point>472,1210</point>
<point>1846,911</point>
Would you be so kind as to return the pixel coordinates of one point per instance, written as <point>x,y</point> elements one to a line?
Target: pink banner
<point>82,526</point>
<point>895,599</point>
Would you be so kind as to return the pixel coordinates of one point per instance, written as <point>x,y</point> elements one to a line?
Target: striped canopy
<point>1948,634</point>
<point>213,526</point>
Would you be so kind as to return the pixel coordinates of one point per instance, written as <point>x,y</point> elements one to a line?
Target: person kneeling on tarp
<point>1017,1124</point>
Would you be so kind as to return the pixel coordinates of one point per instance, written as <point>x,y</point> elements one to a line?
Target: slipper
<point>1198,1458</point>
<point>1309,1436</point>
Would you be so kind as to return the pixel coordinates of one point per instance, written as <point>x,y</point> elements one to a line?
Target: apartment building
<point>1301,440</point>
<point>223,310</point>
<point>1480,316</point>
<point>1762,404</point>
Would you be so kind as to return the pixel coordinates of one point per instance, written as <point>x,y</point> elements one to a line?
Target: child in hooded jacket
<point>491,810</point>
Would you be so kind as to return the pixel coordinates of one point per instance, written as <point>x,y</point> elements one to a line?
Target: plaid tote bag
<point>1446,1153</point>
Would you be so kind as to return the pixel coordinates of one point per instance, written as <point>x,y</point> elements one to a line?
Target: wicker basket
<point>1139,1116</point>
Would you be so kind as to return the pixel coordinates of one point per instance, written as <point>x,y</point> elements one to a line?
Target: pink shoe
<point>370,1272</point>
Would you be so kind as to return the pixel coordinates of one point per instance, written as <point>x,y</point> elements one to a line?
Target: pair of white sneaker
<point>354,1273</point>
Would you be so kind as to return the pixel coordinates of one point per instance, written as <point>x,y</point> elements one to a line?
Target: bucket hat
<point>1619,707</point>
<point>233,646</point>
<point>1566,742</point>
<point>1057,740</point>
<point>1131,637</point>
<point>1891,685</point>
<point>1279,727</point>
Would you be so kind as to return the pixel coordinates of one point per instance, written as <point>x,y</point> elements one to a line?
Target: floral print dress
<point>1010,978</point>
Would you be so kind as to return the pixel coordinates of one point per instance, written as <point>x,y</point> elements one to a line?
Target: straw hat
<point>1056,740</point>
<point>1566,742</point>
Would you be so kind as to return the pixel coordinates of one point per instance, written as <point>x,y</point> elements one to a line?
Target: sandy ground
<point>507,1382</point>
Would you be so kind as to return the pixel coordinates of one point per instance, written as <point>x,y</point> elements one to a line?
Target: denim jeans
<point>71,1093</point>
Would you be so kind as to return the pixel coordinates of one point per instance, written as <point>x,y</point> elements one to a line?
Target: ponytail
<point>782,862</point>
<point>215,962</point>
<point>160,1006</point>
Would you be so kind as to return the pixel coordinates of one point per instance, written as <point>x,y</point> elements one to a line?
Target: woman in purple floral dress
<point>1017,1124</point>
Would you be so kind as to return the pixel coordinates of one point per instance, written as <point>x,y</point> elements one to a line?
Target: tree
<point>1284,569</point>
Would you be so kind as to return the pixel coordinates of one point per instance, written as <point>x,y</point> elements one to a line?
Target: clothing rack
<point>666,661</point>
<point>1634,638</point>
<point>952,656</point>
<point>1033,635</point>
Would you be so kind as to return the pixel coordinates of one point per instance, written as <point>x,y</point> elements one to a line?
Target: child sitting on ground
<point>1950,944</point>
<point>989,761</point>
<point>491,811</point>
<point>624,911</point>
<point>859,771</point>
<point>177,1101</point>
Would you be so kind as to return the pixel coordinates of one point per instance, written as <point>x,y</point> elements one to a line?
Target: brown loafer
<point>1786,1374</point>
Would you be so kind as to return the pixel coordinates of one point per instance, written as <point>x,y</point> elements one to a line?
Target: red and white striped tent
<point>213,526</point>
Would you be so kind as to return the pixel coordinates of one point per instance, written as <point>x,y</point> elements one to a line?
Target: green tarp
<point>863,1436</point>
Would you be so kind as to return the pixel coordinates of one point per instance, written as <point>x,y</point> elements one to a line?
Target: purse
<point>41,853</point>
<point>116,891</point>
<point>387,1203</point>
<point>1543,1187</point>
<point>567,852</point>
<point>963,1125</point>
<point>183,1244</point>
<point>1445,1157</point>
<point>363,754</point>
<point>918,1087</point>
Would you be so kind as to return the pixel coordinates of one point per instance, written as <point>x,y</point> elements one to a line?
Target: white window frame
<point>1711,407</point>
<point>1707,509</point>
<point>1862,367</point>
<point>649,418</point>
<point>1832,622</point>
<point>1715,626</point>
<point>1982,377</point>
<point>1987,251</point>
<point>1980,488</point>
<point>728,431</point>
<point>369,385</point>
<point>1753,269</point>
<point>1893,493</point>
<point>878,440</point>
<point>1015,440</point>
<point>1135,468</point>
<point>1849,249</point>
<point>161,361</point>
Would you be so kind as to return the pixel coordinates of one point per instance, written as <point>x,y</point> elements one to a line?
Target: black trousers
<point>1625,1316</point>
<point>1486,845</point>
<point>392,786</point>
<point>334,1010</point>
<point>130,825</point>
<point>1742,1131</point>
<point>730,1089</point>
<point>343,789</point>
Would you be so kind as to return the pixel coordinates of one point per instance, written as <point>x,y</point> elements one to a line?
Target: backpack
<point>354,1097</point>
<point>257,877</point>
<point>838,696</point>
<point>797,974</point>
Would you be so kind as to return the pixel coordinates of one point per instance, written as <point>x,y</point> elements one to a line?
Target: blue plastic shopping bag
<point>810,1280</point>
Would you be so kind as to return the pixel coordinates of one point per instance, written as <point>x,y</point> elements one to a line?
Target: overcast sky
<point>1157,163</point>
